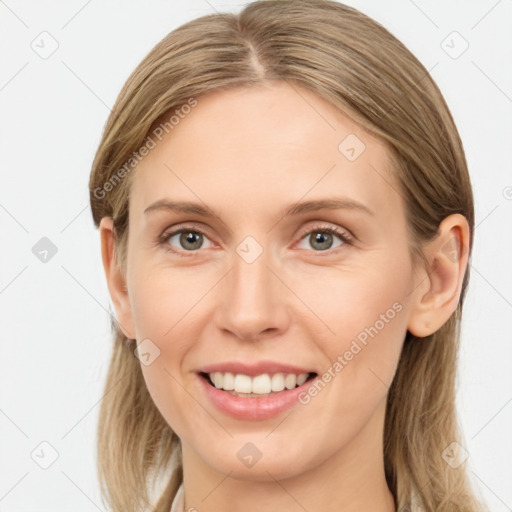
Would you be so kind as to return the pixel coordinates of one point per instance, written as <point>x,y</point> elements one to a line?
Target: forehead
<point>251,148</point>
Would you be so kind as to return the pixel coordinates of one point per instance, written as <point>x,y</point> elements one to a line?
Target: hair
<point>359,67</point>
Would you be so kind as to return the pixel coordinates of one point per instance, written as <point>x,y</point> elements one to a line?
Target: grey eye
<point>321,240</point>
<point>187,239</point>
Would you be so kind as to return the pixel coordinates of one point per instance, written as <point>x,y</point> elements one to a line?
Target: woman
<point>286,220</point>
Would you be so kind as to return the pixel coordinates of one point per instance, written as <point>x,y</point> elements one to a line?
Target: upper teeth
<point>261,384</point>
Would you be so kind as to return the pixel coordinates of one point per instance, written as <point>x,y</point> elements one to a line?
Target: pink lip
<point>253,409</point>
<point>253,369</point>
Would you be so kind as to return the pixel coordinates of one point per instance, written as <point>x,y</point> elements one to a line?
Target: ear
<point>437,290</point>
<point>115,279</point>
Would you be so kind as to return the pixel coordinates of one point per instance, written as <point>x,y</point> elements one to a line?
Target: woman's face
<point>261,294</point>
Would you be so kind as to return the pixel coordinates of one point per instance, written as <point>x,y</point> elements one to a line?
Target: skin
<point>249,153</point>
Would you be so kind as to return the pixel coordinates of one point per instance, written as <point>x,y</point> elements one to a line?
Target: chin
<point>260,459</point>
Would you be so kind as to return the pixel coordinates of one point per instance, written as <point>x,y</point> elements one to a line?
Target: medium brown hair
<point>358,66</point>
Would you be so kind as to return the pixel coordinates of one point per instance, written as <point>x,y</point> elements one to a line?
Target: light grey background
<point>55,332</point>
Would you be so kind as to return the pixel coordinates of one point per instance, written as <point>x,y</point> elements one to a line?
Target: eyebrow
<point>294,209</point>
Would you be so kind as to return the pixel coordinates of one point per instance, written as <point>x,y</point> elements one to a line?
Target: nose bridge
<point>252,298</point>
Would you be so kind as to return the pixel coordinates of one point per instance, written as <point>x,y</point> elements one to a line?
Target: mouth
<point>259,390</point>
<point>258,386</point>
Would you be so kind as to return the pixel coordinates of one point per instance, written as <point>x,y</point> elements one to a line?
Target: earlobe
<point>115,279</point>
<point>438,288</point>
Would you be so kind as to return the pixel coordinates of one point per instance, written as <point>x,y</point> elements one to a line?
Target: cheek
<point>365,320</point>
<point>357,304</point>
<point>165,306</point>
<point>164,299</point>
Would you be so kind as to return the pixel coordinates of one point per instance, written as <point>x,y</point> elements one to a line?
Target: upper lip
<point>253,369</point>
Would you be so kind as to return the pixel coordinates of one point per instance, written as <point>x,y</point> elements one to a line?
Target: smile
<point>253,392</point>
<point>257,386</point>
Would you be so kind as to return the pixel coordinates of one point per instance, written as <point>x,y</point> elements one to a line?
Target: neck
<point>351,480</point>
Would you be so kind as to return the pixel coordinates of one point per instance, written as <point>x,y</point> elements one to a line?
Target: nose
<point>252,300</point>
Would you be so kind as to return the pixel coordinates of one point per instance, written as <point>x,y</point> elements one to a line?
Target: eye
<point>323,238</point>
<point>185,239</point>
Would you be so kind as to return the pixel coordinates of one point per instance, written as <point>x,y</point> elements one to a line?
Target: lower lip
<point>247,408</point>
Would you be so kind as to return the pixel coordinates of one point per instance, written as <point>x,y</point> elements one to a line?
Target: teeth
<point>228,382</point>
<point>243,384</point>
<point>290,381</point>
<point>277,382</point>
<point>303,377</point>
<point>217,380</point>
<point>259,385</point>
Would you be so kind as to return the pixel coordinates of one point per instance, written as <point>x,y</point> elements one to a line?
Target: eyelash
<point>163,239</point>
